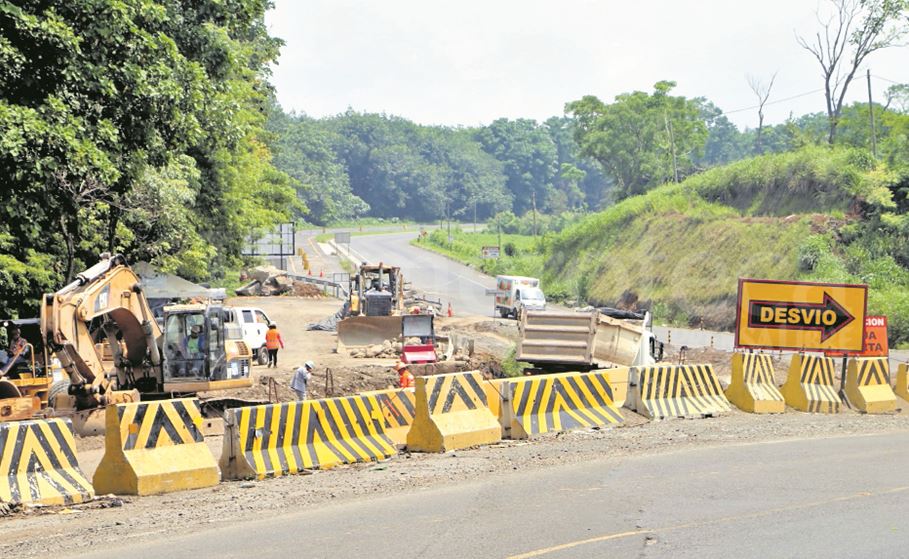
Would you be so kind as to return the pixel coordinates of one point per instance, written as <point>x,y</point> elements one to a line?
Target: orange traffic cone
<point>321,275</point>
<point>450,312</point>
<point>310,271</point>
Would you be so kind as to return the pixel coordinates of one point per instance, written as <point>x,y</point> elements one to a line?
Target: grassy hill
<point>815,214</point>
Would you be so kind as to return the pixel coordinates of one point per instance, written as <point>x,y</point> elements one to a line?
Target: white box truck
<point>515,294</point>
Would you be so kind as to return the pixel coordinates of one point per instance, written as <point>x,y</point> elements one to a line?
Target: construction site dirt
<point>37,531</point>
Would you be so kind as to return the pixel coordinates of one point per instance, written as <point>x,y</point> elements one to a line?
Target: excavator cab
<point>203,349</point>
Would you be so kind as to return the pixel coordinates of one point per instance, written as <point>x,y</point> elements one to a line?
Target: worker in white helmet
<point>301,379</point>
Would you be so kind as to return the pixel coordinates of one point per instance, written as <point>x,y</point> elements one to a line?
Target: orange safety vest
<point>273,339</point>
<point>405,379</point>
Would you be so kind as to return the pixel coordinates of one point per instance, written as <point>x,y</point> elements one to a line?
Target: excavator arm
<point>109,296</point>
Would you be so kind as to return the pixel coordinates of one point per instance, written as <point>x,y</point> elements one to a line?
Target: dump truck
<point>376,302</point>
<point>516,294</point>
<point>101,329</point>
<point>554,341</point>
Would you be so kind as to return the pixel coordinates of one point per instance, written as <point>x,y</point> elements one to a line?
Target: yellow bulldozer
<point>376,301</point>
<point>111,349</point>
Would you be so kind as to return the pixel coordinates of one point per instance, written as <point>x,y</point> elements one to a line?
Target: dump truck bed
<point>582,340</point>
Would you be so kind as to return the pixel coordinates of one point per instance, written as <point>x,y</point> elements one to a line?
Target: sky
<point>468,62</point>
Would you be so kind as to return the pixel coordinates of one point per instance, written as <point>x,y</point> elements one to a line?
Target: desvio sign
<point>875,344</point>
<point>800,316</point>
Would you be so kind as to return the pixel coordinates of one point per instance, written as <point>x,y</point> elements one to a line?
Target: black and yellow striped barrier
<point>282,439</point>
<point>867,385</point>
<point>555,403</point>
<point>452,412</point>
<point>155,447</point>
<point>396,408</point>
<point>810,386</point>
<point>901,388</point>
<point>663,391</point>
<point>38,464</point>
<point>753,388</point>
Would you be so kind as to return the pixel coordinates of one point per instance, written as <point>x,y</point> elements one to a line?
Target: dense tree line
<point>135,127</point>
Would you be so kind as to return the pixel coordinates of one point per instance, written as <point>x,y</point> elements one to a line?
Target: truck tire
<point>262,356</point>
<point>503,313</point>
<point>59,387</point>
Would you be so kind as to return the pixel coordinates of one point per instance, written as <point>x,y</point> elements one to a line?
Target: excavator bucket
<point>362,331</point>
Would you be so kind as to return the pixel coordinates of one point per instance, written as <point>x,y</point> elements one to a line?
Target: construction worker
<point>273,342</point>
<point>301,379</point>
<point>405,377</point>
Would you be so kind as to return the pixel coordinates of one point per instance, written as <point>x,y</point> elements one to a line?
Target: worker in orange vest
<point>273,342</point>
<point>405,377</point>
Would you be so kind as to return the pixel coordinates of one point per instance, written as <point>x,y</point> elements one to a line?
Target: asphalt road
<point>834,497</point>
<point>436,276</point>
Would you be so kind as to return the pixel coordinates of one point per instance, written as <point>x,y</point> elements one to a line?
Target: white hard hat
<point>309,365</point>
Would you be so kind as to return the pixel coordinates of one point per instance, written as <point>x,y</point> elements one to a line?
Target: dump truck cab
<point>203,349</point>
<point>376,290</point>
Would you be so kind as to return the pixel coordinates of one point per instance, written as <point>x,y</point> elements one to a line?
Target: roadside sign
<point>801,316</point>
<point>342,238</point>
<point>875,344</point>
<point>489,252</point>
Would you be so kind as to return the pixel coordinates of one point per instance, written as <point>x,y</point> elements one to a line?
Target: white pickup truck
<point>516,294</point>
<point>254,323</point>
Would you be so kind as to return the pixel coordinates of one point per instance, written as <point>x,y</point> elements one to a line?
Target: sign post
<point>800,316</point>
<point>489,252</point>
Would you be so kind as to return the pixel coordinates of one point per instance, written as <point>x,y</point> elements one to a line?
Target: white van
<point>515,294</point>
<point>254,323</point>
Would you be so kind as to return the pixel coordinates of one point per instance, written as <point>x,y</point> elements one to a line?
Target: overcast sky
<point>469,62</point>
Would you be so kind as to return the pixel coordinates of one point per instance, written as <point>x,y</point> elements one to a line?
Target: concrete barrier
<point>810,386</point>
<point>452,412</point>
<point>901,388</point>
<point>554,403</point>
<point>663,391</point>
<point>396,410</point>
<point>39,465</point>
<point>155,447</point>
<point>753,388</point>
<point>288,438</point>
<point>867,385</point>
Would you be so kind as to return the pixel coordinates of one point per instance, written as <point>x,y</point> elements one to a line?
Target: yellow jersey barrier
<point>452,412</point>
<point>753,388</point>
<point>556,403</point>
<point>396,409</point>
<point>867,385</point>
<point>810,386</point>
<point>901,388</point>
<point>155,447</point>
<point>663,391</point>
<point>288,438</point>
<point>39,464</point>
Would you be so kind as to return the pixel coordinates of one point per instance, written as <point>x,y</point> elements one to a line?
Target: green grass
<point>526,258</point>
<point>815,214</point>
<point>325,237</point>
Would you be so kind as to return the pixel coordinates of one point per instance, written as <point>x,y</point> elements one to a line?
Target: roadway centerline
<point>716,521</point>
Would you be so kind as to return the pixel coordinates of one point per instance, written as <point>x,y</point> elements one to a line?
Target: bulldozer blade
<point>362,331</point>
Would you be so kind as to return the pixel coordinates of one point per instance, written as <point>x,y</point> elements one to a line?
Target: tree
<point>528,156</point>
<point>641,139</point>
<point>762,93</point>
<point>855,30</point>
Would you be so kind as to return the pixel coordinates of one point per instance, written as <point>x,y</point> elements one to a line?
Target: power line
<point>887,80</point>
<point>774,102</point>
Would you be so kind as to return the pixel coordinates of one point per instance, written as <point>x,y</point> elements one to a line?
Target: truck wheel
<point>503,313</point>
<point>59,387</point>
<point>262,356</point>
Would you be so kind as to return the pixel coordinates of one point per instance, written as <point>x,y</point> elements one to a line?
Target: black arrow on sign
<point>827,317</point>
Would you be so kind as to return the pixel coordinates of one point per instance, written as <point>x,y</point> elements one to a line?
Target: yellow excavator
<point>111,348</point>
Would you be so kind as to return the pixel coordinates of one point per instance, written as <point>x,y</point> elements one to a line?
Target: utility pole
<point>871,117</point>
<point>675,164</point>
<point>533,200</point>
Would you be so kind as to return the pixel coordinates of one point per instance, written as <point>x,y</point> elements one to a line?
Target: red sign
<point>875,339</point>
